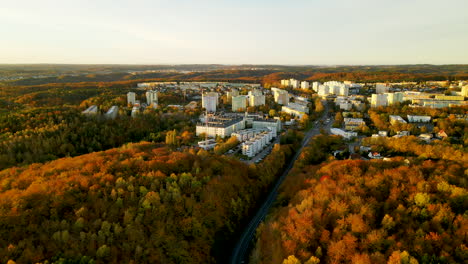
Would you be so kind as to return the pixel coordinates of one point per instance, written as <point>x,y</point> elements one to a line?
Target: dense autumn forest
<point>141,203</point>
<point>409,210</point>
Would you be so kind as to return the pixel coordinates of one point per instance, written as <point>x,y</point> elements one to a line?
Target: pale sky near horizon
<point>234,31</point>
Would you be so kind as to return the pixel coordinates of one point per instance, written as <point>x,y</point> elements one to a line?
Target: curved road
<point>239,254</point>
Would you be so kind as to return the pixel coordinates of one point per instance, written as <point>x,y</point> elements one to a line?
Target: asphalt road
<point>241,249</point>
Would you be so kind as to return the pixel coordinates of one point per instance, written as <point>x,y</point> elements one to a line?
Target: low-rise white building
<point>341,132</point>
<point>396,119</point>
<point>418,119</point>
<point>112,112</point>
<point>207,144</point>
<point>92,110</point>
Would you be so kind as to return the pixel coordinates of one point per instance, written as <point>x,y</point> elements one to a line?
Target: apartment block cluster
<point>255,140</point>
<point>255,97</point>
<point>137,106</point>
<point>224,125</point>
<point>383,97</point>
<point>253,130</point>
<point>348,102</point>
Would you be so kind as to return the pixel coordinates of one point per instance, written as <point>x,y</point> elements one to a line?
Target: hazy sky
<point>234,31</point>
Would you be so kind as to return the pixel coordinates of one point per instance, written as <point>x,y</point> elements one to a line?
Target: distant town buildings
<point>305,85</point>
<point>464,91</point>
<point>256,98</point>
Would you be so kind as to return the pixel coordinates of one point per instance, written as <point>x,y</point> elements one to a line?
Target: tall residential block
<point>239,103</point>
<point>131,98</point>
<point>152,98</point>
<point>305,85</point>
<point>210,101</point>
<point>378,100</point>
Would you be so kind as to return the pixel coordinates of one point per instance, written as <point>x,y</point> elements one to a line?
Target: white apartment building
<point>464,91</point>
<point>378,100</point>
<point>273,124</point>
<point>246,134</point>
<point>315,86</point>
<point>295,84</point>
<point>341,132</point>
<point>239,103</point>
<point>232,93</point>
<point>256,100</point>
<point>152,98</point>
<point>305,85</point>
<point>135,110</point>
<point>393,98</point>
<point>285,83</point>
<point>280,96</point>
<point>323,90</point>
<point>256,144</point>
<point>131,98</point>
<point>220,126</point>
<point>210,101</point>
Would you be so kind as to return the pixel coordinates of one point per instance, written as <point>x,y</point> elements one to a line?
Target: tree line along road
<point>239,253</point>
